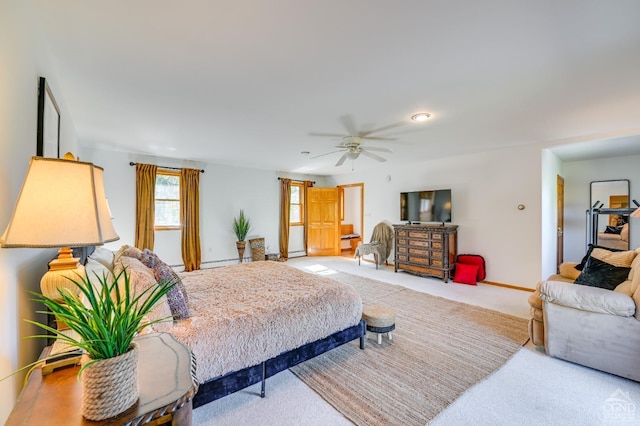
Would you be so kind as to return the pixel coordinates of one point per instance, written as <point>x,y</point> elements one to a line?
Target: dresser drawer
<point>419,243</point>
<point>402,233</point>
<point>421,251</point>
<point>418,259</point>
<point>436,244</point>
<point>401,241</point>
<point>402,257</point>
<point>437,262</point>
<point>418,234</point>
<point>422,270</point>
<point>436,236</point>
<point>402,249</point>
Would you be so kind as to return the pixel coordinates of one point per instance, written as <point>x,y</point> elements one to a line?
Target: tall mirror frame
<point>608,221</point>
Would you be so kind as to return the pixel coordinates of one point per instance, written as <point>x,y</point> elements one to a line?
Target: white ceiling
<point>245,82</point>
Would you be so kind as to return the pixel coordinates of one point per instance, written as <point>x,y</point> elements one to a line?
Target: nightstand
<point>166,377</point>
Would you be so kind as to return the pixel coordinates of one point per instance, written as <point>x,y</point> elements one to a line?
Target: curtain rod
<point>296,180</point>
<point>164,167</point>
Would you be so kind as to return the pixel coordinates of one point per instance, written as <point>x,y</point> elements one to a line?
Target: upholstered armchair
<point>587,324</point>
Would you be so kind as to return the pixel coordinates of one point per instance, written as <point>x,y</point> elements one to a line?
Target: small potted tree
<point>241,227</point>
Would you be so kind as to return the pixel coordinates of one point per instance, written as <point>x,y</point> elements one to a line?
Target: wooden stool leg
<point>379,338</point>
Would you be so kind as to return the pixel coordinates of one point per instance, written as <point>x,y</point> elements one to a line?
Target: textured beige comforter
<point>245,314</point>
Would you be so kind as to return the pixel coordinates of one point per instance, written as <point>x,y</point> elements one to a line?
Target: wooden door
<point>560,237</point>
<point>323,216</point>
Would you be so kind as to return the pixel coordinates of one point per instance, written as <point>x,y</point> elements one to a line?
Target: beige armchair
<point>591,326</point>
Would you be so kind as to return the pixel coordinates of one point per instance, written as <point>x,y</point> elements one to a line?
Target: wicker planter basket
<point>110,386</point>
<point>241,246</point>
<point>257,249</point>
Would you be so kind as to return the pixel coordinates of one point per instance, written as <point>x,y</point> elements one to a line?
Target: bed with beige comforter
<point>245,314</point>
<point>244,323</point>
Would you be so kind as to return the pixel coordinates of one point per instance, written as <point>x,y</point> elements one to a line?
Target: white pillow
<point>95,271</point>
<point>104,256</point>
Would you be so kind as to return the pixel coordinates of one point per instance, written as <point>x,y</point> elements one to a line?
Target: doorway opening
<point>351,206</point>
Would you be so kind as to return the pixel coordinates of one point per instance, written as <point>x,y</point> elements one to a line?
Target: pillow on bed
<point>140,277</point>
<point>133,252</point>
<point>104,256</point>
<point>97,272</point>
<point>177,296</point>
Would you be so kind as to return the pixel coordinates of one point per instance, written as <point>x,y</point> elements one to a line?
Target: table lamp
<point>61,204</point>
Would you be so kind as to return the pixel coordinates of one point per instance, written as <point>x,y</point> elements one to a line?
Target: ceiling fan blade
<point>349,124</point>
<point>381,129</point>
<point>328,153</point>
<point>378,138</point>
<point>329,135</point>
<point>374,156</point>
<point>373,148</point>
<point>341,160</point>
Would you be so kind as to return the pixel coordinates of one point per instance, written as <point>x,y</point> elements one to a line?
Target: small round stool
<point>379,320</point>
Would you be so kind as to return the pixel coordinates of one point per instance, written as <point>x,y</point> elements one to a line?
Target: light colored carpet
<point>440,349</point>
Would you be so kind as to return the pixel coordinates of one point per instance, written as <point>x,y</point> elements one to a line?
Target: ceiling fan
<point>352,148</point>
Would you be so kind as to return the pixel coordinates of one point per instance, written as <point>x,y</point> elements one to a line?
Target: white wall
<point>22,61</point>
<point>486,190</point>
<point>578,177</point>
<point>551,168</point>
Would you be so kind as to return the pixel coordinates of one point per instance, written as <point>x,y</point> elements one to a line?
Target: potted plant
<point>106,316</point>
<point>241,227</point>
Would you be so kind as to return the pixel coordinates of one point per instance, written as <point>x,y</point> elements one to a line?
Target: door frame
<point>559,222</point>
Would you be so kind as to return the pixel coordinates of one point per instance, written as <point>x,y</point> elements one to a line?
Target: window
<point>296,209</point>
<point>167,203</point>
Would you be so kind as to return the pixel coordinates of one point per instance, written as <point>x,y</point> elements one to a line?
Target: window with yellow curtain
<point>167,200</point>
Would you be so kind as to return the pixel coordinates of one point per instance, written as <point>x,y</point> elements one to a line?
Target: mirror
<point>609,207</point>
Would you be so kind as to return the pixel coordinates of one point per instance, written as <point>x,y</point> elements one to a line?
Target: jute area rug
<point>440,348</point>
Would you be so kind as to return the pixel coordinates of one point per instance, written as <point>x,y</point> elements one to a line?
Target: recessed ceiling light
<point>421,116</point>
<point>305,153</point>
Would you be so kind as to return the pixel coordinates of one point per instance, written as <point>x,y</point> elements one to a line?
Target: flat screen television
<point>426,206</point>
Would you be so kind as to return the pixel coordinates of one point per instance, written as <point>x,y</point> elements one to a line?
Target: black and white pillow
<point>606,269</point>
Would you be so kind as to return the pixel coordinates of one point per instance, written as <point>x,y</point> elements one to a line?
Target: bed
<point>250,321</point>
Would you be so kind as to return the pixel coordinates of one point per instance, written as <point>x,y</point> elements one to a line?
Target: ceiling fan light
<point>352,155</point>
<point>421,116</point>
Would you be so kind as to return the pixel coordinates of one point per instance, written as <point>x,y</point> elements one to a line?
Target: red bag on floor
<point>474,259</point>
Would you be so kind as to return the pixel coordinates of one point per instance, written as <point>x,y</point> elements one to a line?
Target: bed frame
<point>232,382</point>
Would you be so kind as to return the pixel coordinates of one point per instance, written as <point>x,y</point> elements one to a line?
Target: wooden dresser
<point>426,250</point>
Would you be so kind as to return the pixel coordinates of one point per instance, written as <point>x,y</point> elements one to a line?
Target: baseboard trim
<point>511,286</point>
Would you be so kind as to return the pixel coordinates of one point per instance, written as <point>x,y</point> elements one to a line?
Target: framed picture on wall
<point>48,122</point>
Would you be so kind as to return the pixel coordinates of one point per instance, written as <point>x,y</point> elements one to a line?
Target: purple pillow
<point>177,296</point>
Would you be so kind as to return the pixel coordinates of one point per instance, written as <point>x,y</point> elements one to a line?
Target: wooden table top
<point>166,378</point>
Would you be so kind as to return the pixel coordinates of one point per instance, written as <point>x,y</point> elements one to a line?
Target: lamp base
<point>61,272</point>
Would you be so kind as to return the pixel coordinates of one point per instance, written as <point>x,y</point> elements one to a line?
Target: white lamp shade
<point>62,204</point>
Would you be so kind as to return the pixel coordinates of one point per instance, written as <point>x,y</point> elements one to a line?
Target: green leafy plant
<point>241,226</point>
<point>109,317</point>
